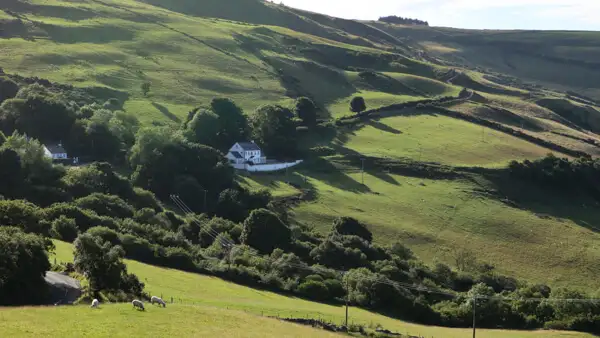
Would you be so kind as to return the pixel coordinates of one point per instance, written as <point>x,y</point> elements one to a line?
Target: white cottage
<point>243,153</point>
<point>55,152</point>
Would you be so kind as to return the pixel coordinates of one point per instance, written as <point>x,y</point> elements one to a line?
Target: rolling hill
<point>432,181</point>
<point>210,306</point>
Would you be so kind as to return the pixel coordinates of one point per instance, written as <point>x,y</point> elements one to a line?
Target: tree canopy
<point>274,129</point>
<point>306,110</point>
<point>264,231</point>
<point>220,125</point>
<point>358,105</point>
<point>161,157</point>
<point>23,265</point>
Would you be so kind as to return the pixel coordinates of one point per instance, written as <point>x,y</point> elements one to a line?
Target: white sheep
<point>158,300</point>
<point>138,304</point>
<point>95,304</point>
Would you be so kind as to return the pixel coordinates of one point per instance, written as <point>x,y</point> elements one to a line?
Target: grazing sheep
<point>95,304</point>
<point>138,304</point>
<point>158,300</point>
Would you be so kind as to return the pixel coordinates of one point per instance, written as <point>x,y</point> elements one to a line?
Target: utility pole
<point>474,311</point>
<point>363,170</point>
<point>205,200</point>
<point>347,301</point>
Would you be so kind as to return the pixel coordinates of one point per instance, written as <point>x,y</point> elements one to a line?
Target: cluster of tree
<point>98,132</point>
<point>403,21</point>
<point>109,219</point>
<point>581,174</point>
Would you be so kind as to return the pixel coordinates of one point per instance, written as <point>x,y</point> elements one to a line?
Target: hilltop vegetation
<point>406,131</point>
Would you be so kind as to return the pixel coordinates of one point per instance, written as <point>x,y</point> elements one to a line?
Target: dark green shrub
<point>106,234</point>
<point>106,205</point>
<point>64,229</point>
<point>264,231</point>
<point>335,288</point>
<point>314,290</point>
<point>351,226</point>
<point>23,263</point>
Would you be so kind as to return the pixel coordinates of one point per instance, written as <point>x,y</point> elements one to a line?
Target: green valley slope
<point>211,306</point>
<point>262,53</point>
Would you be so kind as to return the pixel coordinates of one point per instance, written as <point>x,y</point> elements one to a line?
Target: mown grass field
<point>121,320</point>
<point>436,138</point>
<point>213,305</point>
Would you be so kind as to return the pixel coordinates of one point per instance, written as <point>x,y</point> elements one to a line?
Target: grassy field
<point>123,321</point>
<point>211,300</point>
<point>437,218</point>
<point>435,138</point>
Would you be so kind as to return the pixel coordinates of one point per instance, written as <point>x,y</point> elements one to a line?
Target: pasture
<point>436,138</point>
<point>205,300</point>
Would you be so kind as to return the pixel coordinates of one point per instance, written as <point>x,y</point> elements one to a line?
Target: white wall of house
<point>60,156</point>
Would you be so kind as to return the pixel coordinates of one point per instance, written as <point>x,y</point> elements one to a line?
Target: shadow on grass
<point>78,34</point>
<point>546,202</point>
<point>383,127</point>
<point>336,176</point>
<point>165,111</point>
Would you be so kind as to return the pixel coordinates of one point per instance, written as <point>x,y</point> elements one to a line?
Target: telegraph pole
<point>205,200</point>
<point>363,170</point>
<point>347,301</point>
<point>474,311</point>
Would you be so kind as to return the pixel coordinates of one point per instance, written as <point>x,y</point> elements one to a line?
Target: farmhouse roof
<point>56,149</point>
<point>236,154</point>
<point>249,146</point>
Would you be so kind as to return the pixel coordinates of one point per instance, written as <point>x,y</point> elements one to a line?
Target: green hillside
<point>426,164</point>
<point>212,305</point>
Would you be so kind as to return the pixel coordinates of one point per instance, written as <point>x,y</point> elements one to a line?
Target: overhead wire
<point>229,245</point>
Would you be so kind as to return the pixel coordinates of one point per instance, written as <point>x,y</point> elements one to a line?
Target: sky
<point>475,14</point>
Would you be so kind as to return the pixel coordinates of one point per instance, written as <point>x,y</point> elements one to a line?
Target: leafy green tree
<point>264,231</point>
<point>314,289</point>
<point>22,214</point>
<point>204,128</point>
<point>42,117</point>
<point>146,88</point>
<point>350,226</point>
<point>306,110</point>
<point>273,127</point>
<point>232,120</point>
<point>11,173</point>
<point>231,205</point>
<point>102,264</point>
<point>333,254</point>
<point>23,265</point>
<point>106,205</point>
<point>8,89</point>
<point>160,156</point>
<point>358,105</point>
<point>65,229</point>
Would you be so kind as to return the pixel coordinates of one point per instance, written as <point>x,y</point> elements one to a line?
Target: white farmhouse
<point>55,152</point>
<point>248,156</point>
<point>243,153</point>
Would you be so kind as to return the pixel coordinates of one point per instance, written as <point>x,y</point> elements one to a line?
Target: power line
<point>229,244</point>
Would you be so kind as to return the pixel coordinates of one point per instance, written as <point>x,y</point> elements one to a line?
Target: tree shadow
<point>546,202</point>
<point>78,34</point>
<point>165,111</point>
<point>323,170</point>
<point>383,127</point>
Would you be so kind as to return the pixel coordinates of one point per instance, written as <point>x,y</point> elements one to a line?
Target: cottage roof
<point>55,149</point>
<point>236,154</point>
<point>249,146</point>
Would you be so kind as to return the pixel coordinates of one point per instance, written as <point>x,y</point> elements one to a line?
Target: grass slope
<point>438,218</point>
<point>213,301</point>
<point>434,138</point>
<point>123,321</point>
